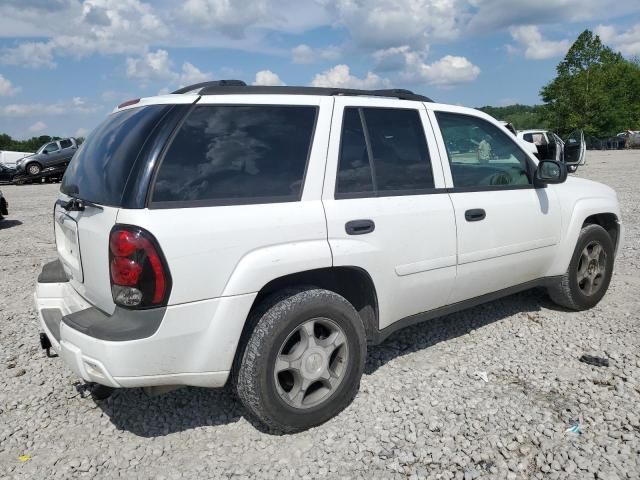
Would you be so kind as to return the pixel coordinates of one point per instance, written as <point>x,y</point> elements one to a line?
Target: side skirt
<point>381,335</point>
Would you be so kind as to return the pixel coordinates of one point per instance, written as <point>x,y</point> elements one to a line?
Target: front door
<point>575,148</point>
<point>507,228</point>
<point>386,206</point>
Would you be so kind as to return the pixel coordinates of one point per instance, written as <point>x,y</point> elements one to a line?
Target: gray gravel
<point>486,393</point>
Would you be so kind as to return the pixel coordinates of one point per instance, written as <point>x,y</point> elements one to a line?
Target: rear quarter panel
<point>231,250</point>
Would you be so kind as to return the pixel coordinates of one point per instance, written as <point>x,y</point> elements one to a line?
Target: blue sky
<point>64,64</point>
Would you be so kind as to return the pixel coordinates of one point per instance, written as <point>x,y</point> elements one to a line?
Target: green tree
<point>593,90</point>
<point>522,117</point>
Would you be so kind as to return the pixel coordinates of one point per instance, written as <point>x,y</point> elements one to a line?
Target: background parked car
<point>52,154</point>
<point>551,147</point>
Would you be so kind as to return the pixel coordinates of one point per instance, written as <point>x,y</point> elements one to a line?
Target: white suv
<point>268,234</point>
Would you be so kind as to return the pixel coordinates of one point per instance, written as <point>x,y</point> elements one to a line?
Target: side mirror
<point>550,171</point>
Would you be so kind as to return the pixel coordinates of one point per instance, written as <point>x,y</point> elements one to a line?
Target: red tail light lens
<point>139,274</point>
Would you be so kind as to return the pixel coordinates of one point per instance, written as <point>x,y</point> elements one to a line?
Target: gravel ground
<point>486,393</point>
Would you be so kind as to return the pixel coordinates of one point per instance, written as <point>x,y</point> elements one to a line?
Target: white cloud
<point>157,66</point>
<point>234,18</point>
<point>391,23</point>
<point>535,46</point>
<point>7,89</point>
<point>487,16</point>
<point>448,71</point>
<point>340,77</point>
<point>75,105</point>
<point>305,54</point>
<point>38,127</point>
<point>152,66</point>
<point>96,26</point>
<point>411,67</point>
<point>29,54</point>
<point>81,132</point>
<point>626,42</point>
<point>231,17</point>
<point>267,77</point>
<point>191,74</point>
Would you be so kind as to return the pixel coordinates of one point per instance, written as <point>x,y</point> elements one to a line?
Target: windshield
<point>100,168</point>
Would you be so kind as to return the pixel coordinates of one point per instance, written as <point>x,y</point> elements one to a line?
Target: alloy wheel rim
<point>34,169</point>
<point>592,268</point>
<point>311,363</point>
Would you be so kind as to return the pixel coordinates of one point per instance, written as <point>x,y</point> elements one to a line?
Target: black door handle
<point>359,227</point>
<point>475,215</point>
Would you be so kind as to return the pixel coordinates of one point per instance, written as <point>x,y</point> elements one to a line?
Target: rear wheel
<point>589,273</point>
<point>303,361</point>
<point>34,168</point>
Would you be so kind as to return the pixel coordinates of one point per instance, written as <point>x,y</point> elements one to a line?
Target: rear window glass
<point>99,170</point>
<point>237,154</point>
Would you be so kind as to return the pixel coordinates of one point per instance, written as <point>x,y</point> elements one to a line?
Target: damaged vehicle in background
<point>551,147</point>
<point>50,159</point>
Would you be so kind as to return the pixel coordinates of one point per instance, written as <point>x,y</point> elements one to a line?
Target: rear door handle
<point>359,227</point>
<point>475,215</point>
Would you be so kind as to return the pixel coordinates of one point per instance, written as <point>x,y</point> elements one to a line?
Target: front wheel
<point>589,274</point>
<point>34,168</point>
<point>303,361</point>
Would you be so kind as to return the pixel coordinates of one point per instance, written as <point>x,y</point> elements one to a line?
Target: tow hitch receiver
<point>45,343</point>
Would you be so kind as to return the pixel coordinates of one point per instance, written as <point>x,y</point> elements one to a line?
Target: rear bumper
<point>194,343</point>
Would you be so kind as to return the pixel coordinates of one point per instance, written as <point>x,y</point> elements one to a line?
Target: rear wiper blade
<point>77,205</point>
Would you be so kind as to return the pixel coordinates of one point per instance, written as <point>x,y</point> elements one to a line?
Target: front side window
<point>50,148</point>
<point>480,154</point>
<point>237,154</point>
<point>383,151</point>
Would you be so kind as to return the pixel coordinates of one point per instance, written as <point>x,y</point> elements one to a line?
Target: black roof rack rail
<point>238,87</point>
<point>214,83</point>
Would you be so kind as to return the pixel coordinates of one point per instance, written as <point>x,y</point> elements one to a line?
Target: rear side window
<point>237,154</point>
<point>65,143</point>
<point>99,170</point>
<point>383,152</point>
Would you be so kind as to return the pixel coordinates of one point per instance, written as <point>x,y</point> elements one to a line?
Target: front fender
<point>573,219</point>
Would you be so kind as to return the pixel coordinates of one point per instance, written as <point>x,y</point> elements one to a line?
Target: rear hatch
<point>98,176</point>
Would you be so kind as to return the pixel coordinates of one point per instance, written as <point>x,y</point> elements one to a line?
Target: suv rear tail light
<point>139,274</point>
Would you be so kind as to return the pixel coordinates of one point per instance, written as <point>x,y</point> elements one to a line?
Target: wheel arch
<point>603,211</point>
<point>353,283</point>
<point>609,221</point>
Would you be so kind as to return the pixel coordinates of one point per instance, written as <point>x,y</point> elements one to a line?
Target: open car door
<point>575,148</point>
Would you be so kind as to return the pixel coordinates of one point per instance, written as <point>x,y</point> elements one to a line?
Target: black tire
<point>572,168</point>
<point>275,320</point>
<point>33,169</point>
<point>567,292</point>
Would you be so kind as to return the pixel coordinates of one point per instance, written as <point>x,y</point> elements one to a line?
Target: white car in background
<point>550,146</point>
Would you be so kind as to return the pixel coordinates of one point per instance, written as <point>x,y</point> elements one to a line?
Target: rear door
<point>386,207</point>
<point>575,148</point>
<point>507,228</point>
